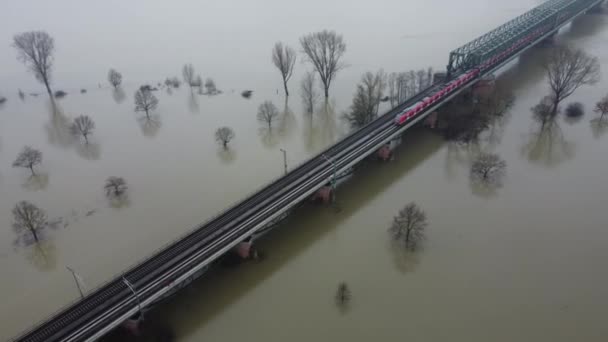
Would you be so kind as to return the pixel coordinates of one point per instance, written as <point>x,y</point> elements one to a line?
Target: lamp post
<point>132,288</point>
<point>76,281</point>
<point>333,178</point>
<point>284,159</point>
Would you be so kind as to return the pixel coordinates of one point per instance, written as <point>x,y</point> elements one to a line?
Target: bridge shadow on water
<point>214,292</point>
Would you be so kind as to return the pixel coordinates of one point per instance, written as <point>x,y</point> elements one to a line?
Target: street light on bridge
<point>284,159</point>
<point>132,288</point>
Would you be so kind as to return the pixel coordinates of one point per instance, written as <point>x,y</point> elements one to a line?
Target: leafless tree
<point>543,111</point>
<point>488,167</point>
<point>324,50</point>
<point>28,218</point>
<point>284,58</point>
<point>145,101</point>
<point>115,187</point>
<point>367,98</point>
<point>210,86</point>
<point>115,78</point>
<point>188,73</point>
<point>409,225</point>
<point>28,157</point>
<point>223,135</point>
<point>602,107</point>
<point>35,50</point>
<point>567,70</point>
<point>309,94</point>
<point>267,112</point>
<point>83,125</point>
<point>173,82</point>
<point>343,295</point>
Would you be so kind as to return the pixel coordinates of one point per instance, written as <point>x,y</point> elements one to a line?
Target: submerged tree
<point>223,135</point>
<point>601,107</point>
<point>309,93</point>
<point>365,104</point>
<point>284,58</point>
<point>488,167</point>
<point>188,73</point>
<point>210,87</point>
<point>567,70</point>
<point>83,125</point>
<point>28,157</point>
<point>115,187</point>
<point>324,50</point>
<point>115,78</point>
<point>28,219</point>
<point>343,295</point>
<point>267,113</point>
<point>145,101</point>
<point>35,50</point>
<point>409,225</point>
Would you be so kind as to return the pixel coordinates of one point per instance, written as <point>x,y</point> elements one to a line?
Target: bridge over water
<point>171,268</point>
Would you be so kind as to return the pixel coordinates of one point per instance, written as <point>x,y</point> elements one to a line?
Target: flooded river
<point>523,263</point>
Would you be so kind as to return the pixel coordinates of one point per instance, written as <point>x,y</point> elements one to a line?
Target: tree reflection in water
<point>226,155</point>
<point>149,125</point>
<point>118,94</point>
<point>42,255</point>
<point>287,122</point>
<point>548,146</point>
<point>58,128</point>
<point>405,259</point>
<point>599,127</point>
<point>36,182</point>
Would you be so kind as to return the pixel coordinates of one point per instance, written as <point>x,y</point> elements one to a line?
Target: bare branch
<point>28,218</point>
<point>324,50</point>
<point>284,58</point>
<point>145,101</point>
<point>27,158</point>
<point>35,50</point>
<point>267,112</point>
<point>83,125</point>
<point>115,78</point>
<point>223,135</point>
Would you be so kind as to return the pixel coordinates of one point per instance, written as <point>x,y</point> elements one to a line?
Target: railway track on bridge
<point>113,302</point>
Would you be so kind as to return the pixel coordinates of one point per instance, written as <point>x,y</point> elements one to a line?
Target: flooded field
<point>525,262</point>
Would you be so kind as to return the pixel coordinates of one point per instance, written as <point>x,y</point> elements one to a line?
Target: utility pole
<point>132,288</point>
<point>284,159</point>
<point>76,281</point>
<point>333,178</point>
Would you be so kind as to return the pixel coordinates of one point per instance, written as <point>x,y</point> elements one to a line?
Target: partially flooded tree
<point>284,58</point>
<point>115,78</point>
<point>28,158</point>
<point>409,225</point>
<point>364,108</point>
<point>267,113</point>
<point>115,187</point>
<point>601,107</point>
<point>309,93</point>
<point>324,50</point>
<point>343,295</point>
<point>21,94</point>
<point>488,167</point>
<point>35,50</point>
<point>210,87</point>
<point>199,84</point>
<point>83,125</point>
<point>223,135</point>
<point>567,70</point>
<point>145,101</point>
<point>575,110</point>
<point>29,219</point>
<point>189,77</point>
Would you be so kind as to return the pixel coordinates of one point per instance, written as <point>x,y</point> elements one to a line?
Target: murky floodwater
<point>525,263</point>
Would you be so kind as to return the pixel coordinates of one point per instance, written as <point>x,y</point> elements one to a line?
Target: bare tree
<point>115,78</point>
<point>602,107</point>
<point>309,94</point>
<point>343,295</point>
<point>267,112</point>
<point>324,50</point>
<point>408,226</point>
<point>145,101</point>
<point>567,70</point>
<point>83,125</point>
<point>364,108</point>
<point>35,50</point>
<point>210,86</point>
<point>28,157</point>
<point>223,135</point>
<point>28,218</point>
<point>488,167</point>
<point>284,58</point>
<point>542,111</point>
<point>188,73</point>
<point>115,186</point>
<point>199,84</point>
